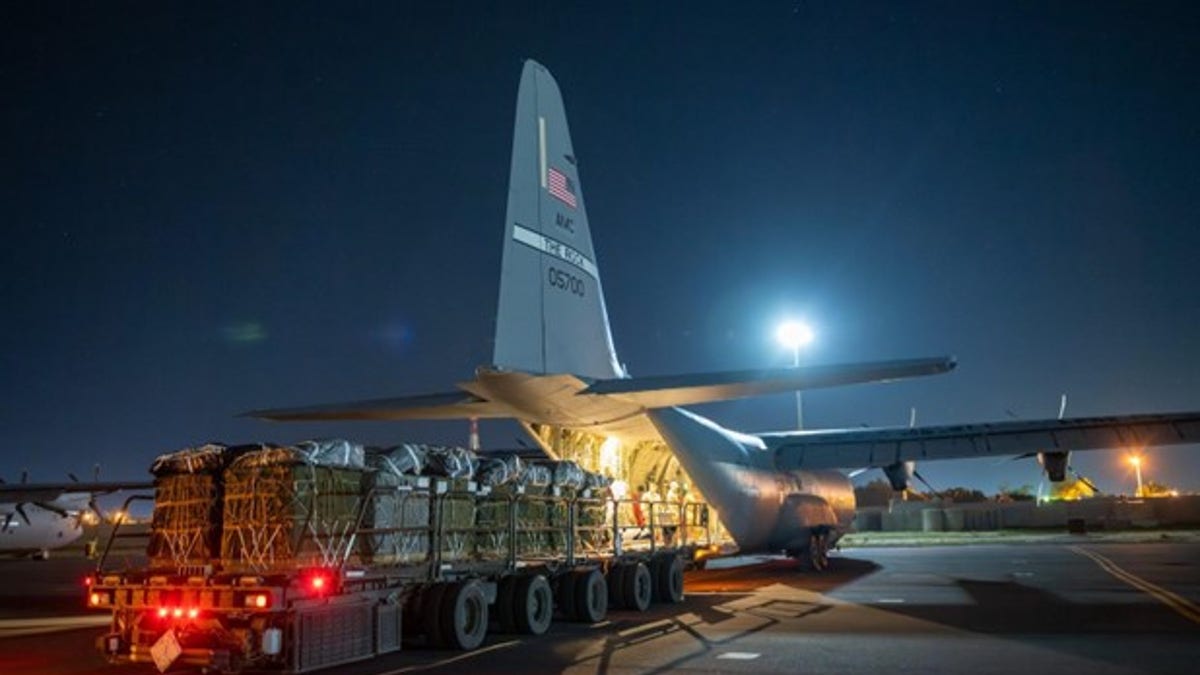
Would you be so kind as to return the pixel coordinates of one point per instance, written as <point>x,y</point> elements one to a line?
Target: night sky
<point>214,209</point>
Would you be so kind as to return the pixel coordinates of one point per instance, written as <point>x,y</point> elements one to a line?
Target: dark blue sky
<point>214,209</point>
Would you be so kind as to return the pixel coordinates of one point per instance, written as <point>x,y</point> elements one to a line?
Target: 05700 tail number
<point>564,281</point>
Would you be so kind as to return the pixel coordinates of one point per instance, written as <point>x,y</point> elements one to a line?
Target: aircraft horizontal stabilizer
<point>676,390</point>
<point>445,406</point>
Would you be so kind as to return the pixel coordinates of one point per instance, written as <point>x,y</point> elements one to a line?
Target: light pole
<point>795,334</point>
<point>1137,470</point>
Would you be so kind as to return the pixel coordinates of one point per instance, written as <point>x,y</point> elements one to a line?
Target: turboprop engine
<point>1054,464</point>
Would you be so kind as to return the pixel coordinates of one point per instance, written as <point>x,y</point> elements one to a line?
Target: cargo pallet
<point>226,618</point>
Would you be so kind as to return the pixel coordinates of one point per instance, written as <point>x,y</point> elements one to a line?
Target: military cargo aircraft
<point>556,370</point>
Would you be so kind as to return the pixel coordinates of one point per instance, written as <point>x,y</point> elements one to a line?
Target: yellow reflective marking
<point>1182,606</point>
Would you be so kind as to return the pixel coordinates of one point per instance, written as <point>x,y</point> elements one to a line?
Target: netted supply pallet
<point>185,529</point>
<point>506,478</point>
<point>288,507</point>
<point>593,524</point>
<point>397,515</point>
<point>457,505</point>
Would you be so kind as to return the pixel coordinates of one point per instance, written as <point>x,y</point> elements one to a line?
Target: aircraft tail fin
<point>551,317</point>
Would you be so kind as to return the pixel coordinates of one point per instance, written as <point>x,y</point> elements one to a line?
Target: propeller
<point>1083,479</point>
<point>918,476</point>
<point>95,508</point>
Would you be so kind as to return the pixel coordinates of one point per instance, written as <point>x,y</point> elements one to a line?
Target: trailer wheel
<point>504,610</point>
<point>431,614</point>
<point>637,587</point>
<point>533,607</point>
<point>616,584</point>
<point>591,597</point>
<point>668,579</point>
<point>464,615</point>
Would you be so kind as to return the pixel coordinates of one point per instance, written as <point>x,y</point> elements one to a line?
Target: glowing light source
<point>794,334</point>
<point>609,461</point>
<point>1136,461</point>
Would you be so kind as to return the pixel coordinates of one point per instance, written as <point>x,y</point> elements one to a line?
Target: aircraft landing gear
<point>815,556</point>
<point>818,551</point>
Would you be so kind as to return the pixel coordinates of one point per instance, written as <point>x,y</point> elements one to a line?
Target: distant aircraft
<point>36,518</point>
<point>555,369</point>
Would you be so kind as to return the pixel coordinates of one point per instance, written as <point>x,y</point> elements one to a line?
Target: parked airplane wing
<point>48,492</point>
<point>676,390</point>
<point>858,448</point>
<point>450,405</point>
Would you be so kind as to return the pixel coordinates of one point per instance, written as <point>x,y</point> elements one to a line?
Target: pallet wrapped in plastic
<point>406,459</point>
<point>493,512</point>
<point>185,529</point>
<point>450,462</point>
<point>497,471</point>
<point>568,475</point>
<point>400,502</point>
<point>288,507</point>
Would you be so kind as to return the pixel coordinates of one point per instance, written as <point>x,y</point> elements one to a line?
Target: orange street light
<point>1137,469</point>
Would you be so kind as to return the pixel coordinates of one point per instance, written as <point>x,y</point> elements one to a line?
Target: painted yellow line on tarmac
<point>1182,606</point>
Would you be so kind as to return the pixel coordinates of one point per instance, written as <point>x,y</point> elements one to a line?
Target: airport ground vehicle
<point>438,561</point>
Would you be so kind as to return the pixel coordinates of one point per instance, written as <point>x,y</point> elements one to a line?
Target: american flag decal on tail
<point>562,187</point>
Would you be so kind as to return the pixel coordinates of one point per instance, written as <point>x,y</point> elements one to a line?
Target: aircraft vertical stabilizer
<point>551,316</point>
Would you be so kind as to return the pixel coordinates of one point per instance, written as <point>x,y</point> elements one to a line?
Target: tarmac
<point>1076,604</point>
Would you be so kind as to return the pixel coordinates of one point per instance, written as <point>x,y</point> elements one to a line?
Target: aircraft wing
<point>450,405</point>
<point>676,390</point>
<point>861,448</point>
<point>48,492</point>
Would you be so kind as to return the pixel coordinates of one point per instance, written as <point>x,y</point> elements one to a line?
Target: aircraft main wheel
<point>818,552</point>
<point>431,614</point>
<point>505,609</point>
<point>637,587</point>
<point>591,597</point>
<point>668,579</point>
<point>615,578</point>
<point>464,616</point>
<point>534,605</point>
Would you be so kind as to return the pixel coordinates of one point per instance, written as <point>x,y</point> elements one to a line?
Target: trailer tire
<point>431,614</point>
<point>591,597</point>
<point>464,616</point>
<point>505,609</point>
<point>616,584</point>
<point>637,587</point>
<point>668,579</point>
<point>533,607</point>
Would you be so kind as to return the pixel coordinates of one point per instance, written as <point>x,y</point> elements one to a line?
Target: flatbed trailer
<point>294,620</point>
